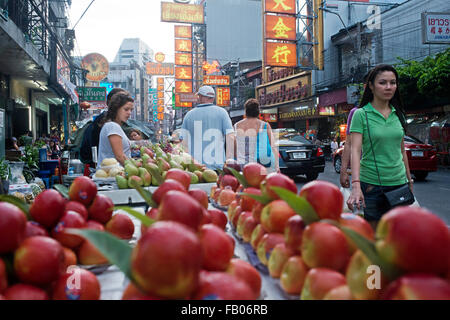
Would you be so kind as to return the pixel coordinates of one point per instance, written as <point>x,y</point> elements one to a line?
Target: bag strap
<point>373,151</point>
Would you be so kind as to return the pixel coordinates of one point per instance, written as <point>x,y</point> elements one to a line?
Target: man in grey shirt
<point>206,129</point>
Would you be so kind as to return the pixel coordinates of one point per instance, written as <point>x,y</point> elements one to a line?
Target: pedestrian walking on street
<point>334,145</point>
<point>207,130</point>
<point>254,139</point>
<point>377,129</point>
<point>114,143</point>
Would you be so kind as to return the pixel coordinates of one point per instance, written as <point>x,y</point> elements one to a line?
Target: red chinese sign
<point>223,97</point>
<point>281,54</point>
<point>281,27</point>
<point>281,6</point>
<point>183,59</point>
<point>183,32</point>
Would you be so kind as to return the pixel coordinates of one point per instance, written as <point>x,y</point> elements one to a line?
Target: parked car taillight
<point>319,152</point>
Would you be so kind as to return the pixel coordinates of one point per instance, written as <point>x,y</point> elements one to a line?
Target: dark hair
<point>134,130</point>
<point>395,101</point>
<point>251,107</point>
<point>117,101</point>
<point>113,92</point>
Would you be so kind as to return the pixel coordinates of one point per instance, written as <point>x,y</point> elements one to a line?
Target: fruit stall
<point>247,235</point>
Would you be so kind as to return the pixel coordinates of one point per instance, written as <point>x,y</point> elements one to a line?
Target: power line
<point>83,14</point>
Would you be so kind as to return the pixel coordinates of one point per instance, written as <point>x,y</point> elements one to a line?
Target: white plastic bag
<point>346,192</point>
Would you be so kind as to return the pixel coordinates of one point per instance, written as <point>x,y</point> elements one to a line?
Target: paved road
<point>433,193</point>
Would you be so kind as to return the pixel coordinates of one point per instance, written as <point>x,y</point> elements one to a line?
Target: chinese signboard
<point>159,69</point>
<point>183,59</point>
<point>183,86</point>
<point>92,94</point>
<point>179,103</point>
<point>302,111</point>
<point>63,76</point>
<point>216,80</point>
<point>183,32</point>
<point>436,27</point>
<point>183,73</point>
<point>326,111</point>
<point>183,45</point>
<point>281,27</point>
<point>281,54</point>
<point>280,6</point>
<point>223,96</point>
<point>153,98</point>
<point>186,13</point>
<point>97,65</point>
<point>160,97</point>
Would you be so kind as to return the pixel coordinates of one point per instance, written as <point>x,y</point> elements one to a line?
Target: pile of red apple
<point>40,250</point>
<point>227,186</point>
<point>320,261</point>
<point>185,253</point>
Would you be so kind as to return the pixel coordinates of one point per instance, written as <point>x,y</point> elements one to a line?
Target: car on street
<point>298,156</point>
<point>422,158</point>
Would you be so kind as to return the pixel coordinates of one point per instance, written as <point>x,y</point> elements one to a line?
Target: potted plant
<point>31,160</point>
<point>4,176</point>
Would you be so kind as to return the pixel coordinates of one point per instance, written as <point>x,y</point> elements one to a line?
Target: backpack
<point>91,138</point>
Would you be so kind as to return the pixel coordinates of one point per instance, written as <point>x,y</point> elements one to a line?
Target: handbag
<point>268,148</point>
<point>401,196</point>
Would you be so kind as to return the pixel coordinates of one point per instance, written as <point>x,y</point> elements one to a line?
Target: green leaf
<point>155,173</point>
<point>262,199</point>
<point>62,189</point>
<point>117,251</point>
<point>221,172</point>
<point>147,195</point>
<point>368,248</point>
<point>145,220</point>
<point>239,176</point>
<point>22,205</point>
<point>300,205</point>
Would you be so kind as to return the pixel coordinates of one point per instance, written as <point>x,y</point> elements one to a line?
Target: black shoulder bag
<point>399,197</point>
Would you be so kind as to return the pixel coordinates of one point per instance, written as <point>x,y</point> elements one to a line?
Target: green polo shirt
<point>387,135</point>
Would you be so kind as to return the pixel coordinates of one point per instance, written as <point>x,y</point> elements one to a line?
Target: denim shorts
<point>376,202</point>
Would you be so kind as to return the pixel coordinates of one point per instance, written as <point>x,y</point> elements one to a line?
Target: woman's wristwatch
<point>411,181</point>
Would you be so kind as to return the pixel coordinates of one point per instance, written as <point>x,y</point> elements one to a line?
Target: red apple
<point>223,286</point>
<point>229,180</point>
<point>293,275</point>
<point>248,203</point>
<point>12,227</point>
<point>231,163</point>
<point>179,206</point>
<point>181,176</point>
<point>226,196</point>
<point>324,245</point>
<point>167,185</point>
<point>39,260</point>
<point>240,224</point>
<point>206,217</point>
<point>277,180</point>
<point>266,245</point>
<point>293,233</point>
<point>236,215</point>
<point>358,224</point>
<point>94,225</point>
<point>77,207</point>
<point>152,213</point>
<point>275,215</point>
<point>339,293</point>
<point>121,226</point>
<point>47,208</point>
<point>3,276</point>
<point>131,292</point>
<point>70,258</point>
<point>414,239</point>
<point>359,277</point>
<point>167,260</point>
<point>66,288</point>
<point>218,217</point>
<point>319,281</point>
<point>216,247</point>
<point>278,257</point>
<point>35,229</point>
<point>88,254</point>
<point>418,286</point>
<point>247,229</point>
<point>201,196</point>
<point>257,235</point>
<point>70,219</point>
<point>246,272</point>
<point>256,211</point>
<point>254,173</point>
<point>325,197</point>
<point>101,209</point>
<point>23,291</point>
<point>83,189</point>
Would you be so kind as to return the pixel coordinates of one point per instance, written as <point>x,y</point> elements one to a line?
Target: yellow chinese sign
<point>183,59</point>
<point>180,104</point>
<point>280,27</point>
<point>281,54</point>
<point>183,32</point>
<point>183,86</point>
<point>223,97</point>
<point>160,95</point>
<point>281,6</point>
<point>178,12</point>
<point>183,45</point>
<point>183,73</point>
<point>211,80</point>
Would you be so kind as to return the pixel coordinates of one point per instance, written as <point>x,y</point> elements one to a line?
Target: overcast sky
<point>108,22</point>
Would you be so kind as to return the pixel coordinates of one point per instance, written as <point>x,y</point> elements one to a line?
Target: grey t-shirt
<point>104,146</point>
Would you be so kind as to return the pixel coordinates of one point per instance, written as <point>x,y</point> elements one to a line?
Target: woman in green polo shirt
<point>381,109</point>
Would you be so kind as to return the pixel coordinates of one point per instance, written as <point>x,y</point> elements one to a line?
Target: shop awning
<point>333,97</point>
